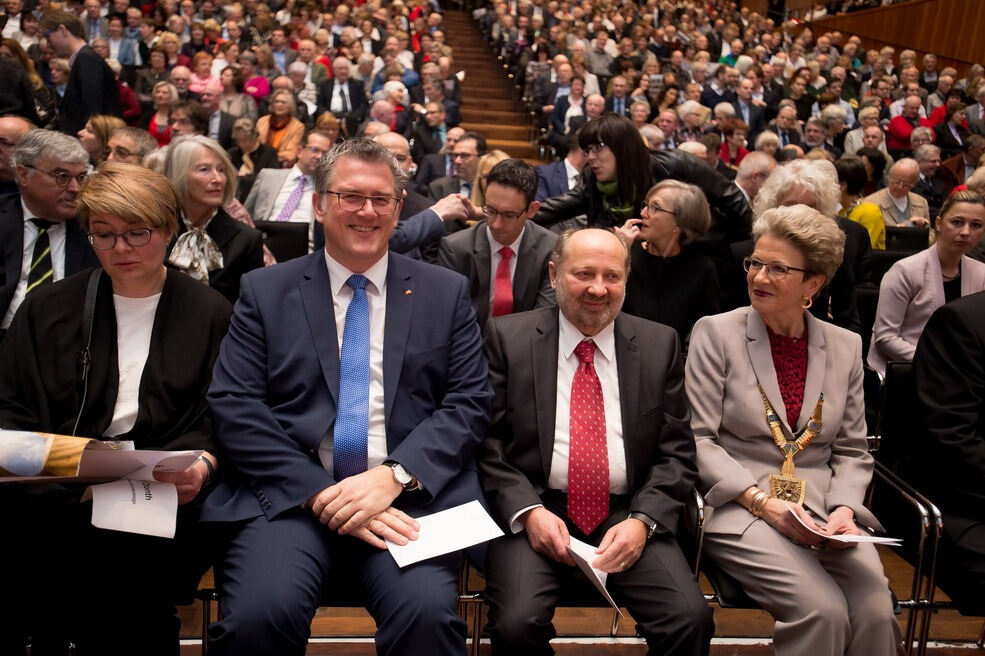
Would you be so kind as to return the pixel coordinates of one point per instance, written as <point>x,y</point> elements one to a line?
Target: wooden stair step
<point>515,148</point>
<point>494,131</point>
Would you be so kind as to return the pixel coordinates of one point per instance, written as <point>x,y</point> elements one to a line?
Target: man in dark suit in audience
<point>590,440</point>
<point>786,128</point>
<point>91,87</point>
<point>929,185</point>
<point>343,97</point>
<point>505,256</point>
<point>328,454</point>
<point>949,373</point>
<point>465,155</point>
<point>48,243</point>
<point>429,135</point>
<point>558,177</point>
<point>437,165</point>
<point>220,122</point>
<point>749,112</point>
<point>619,101</point>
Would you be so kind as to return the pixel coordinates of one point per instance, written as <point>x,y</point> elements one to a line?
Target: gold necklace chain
<point>786,486</point>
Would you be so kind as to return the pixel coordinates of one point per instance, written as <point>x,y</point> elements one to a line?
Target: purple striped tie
<point>292,201</point>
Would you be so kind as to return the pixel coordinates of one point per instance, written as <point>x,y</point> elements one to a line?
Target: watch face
<point>401,474</point>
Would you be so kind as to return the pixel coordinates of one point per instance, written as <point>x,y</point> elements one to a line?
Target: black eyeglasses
<point>492,212</point>
<point>594,149</point>
<point>353,202</point>
<point>103,241</point>
<point>774,270</point>
<point>61,178</point>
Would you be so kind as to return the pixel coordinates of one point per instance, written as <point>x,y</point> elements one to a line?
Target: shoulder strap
<point>88,316</point>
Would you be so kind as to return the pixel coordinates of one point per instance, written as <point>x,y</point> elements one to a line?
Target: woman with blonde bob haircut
<point>148,373</point>
<point>211,246</point>
<point>779,422</point>
<point>669,282</point>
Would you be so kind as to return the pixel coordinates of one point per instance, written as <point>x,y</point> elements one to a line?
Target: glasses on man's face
<point>774,270</point>
<point>463,156</point>
<point>61,178</point>
<point>315,150</point>
<point>352,202</point>
<point>594,149</point>
<point>119,152</point>
<point>103,241</point>
<point>491,213</point>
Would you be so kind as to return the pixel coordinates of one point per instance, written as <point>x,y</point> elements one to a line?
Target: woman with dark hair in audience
<point>197,43</point>
<point>38,102</point>
<point>234,102</point>
<point>951,135</point>
<point>155,335</point>
<point>733,148</point>
<point>917,285</point>
<point>148,78</point>
<point>667,98</point>
<point>669,282</point>
<point>875,167</point>
<point>851,180</point>
<point>256,86</point>
<point>620,171</point>
<point>779,422</point>
<point>212,246</point>
<point>249,156</point>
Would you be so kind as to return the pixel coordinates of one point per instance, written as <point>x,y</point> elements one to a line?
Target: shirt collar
<point>494,245</point>
<point>295,174</point>
<point>569,169</point>
<point>376,274</point>
<point>570,337</point>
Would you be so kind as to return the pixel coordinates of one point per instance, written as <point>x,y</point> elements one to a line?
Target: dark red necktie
<point>588,458</point>
<point>503,287</point>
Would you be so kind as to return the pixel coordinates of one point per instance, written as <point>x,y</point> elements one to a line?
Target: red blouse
<point>790,362</point>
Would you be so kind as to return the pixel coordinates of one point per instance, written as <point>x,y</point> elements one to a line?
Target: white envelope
<point>583,555</point>
<point>446,531</point>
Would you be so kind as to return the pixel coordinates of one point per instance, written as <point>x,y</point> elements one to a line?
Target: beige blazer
<point>891,215</point>
<point>909,293</point>
<point>728,354</point>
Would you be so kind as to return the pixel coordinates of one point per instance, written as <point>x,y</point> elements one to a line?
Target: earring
<point>807,303</point>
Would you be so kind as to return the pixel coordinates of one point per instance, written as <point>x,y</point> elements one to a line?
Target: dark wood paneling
<point>949,28</point>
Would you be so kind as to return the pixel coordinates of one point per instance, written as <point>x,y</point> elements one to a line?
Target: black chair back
<point>881,261</point>
<point>285,239</point>
<point>910,240</point>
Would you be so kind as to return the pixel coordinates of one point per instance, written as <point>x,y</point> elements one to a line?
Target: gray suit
<point>824,601</point>
<point>263,195</point>
<point>443,186</point>
<point>467,252</point>
<point>890,214</point>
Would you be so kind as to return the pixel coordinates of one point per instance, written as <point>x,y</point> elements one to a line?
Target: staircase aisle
<point>487,104</point>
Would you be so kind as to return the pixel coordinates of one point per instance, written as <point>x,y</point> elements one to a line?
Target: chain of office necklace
<point>786,486</point>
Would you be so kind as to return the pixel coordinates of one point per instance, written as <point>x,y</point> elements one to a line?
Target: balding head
<point>12,128</point>
<point>753,171</point>
<point>398,147</point>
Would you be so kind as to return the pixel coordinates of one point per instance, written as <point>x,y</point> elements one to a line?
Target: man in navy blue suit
<point>558,177</point>
<point>349,396</point>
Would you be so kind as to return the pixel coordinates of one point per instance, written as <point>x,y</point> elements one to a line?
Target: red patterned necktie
<point>503,287</point>
<point>588,458</point>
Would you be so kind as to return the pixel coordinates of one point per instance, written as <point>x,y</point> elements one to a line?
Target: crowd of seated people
<point>715,171</point>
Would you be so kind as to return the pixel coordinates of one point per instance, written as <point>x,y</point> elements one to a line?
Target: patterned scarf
<point>195,252</point>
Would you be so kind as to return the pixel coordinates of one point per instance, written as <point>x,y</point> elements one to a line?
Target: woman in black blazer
<point>249,156</point>
<point>211,246</point>
<point>155,335</point>
<point>944,133</point>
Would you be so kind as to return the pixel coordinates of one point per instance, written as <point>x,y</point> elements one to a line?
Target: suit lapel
<point>11,244</point>
<point>523,277</point>
<point>316,298</point>
<point>399,312</point>
<point>762,363</point>
<point>628,362</point>
<point>480,268</point>
<point>543,355</point>
<point>816,367</point>
<point>222,229</point>
<point>270,199</point>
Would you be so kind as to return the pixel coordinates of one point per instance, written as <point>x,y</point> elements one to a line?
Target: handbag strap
<point>88,317</point>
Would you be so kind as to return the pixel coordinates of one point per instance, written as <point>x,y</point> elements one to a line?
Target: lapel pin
<point>408,292</point>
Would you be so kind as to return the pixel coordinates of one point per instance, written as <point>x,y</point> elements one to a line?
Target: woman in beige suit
<point>769,379</point>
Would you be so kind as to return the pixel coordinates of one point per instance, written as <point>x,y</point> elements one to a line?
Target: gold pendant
<point>788,488</point>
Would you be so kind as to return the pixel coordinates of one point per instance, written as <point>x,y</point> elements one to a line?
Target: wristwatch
<point>400,474</point>
<point>648,521</point>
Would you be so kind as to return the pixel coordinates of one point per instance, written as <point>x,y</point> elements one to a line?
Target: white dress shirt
<point>495,258</point>
<point>572,174</point>
<point>376,297</point>
<point>339,88</point>
<point>304,212</point>
<point>134,327</point>
<point>608,372</point>
<point>56,238</point>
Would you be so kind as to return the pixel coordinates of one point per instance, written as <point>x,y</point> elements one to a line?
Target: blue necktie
<point>351,436</point>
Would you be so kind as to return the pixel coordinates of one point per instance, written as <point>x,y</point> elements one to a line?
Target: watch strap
<point>649,522</point>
